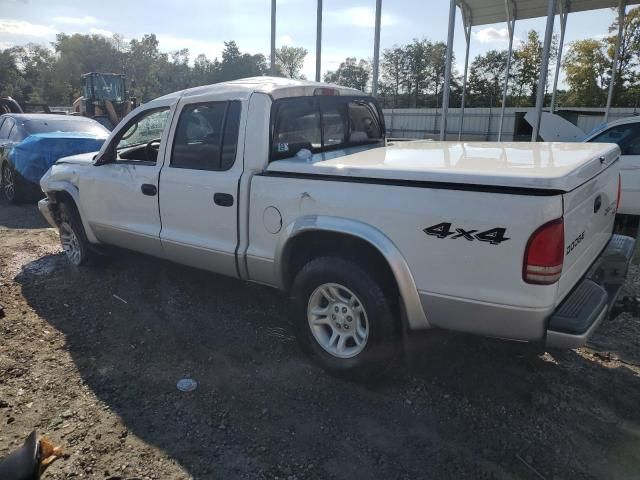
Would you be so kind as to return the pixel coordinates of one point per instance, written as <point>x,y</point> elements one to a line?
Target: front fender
<point>52,186</point>
<point>376,238</point>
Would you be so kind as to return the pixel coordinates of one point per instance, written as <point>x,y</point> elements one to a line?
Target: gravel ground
<point>90,357</point>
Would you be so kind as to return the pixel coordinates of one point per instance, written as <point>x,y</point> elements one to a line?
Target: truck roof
<point>542,166</point>
<point>276,87</point>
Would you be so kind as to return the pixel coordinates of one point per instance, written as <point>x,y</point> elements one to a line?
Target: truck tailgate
<point>589,213</point>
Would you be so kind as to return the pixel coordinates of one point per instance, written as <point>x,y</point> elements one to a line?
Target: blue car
<point>31,143</point>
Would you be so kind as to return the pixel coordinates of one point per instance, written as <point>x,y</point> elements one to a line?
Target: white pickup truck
<point>292,184</point>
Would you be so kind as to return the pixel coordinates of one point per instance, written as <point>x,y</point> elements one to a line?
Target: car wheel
<point>11,185</point>
<point>344,318</point>
<point>72,237</point>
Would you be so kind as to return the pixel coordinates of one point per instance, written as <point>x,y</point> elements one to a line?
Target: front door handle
<point>223,199</point>
<point>149,189</point>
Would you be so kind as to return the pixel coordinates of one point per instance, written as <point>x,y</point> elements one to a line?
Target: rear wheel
<point>11,185</point>
<point>344,318</point>
<point>72,237</point>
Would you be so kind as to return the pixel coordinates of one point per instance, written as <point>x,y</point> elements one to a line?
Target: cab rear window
<point>322,123</point>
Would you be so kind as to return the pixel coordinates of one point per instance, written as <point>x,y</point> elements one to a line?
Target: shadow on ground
<point>20,216</point>
<point>465,408</point>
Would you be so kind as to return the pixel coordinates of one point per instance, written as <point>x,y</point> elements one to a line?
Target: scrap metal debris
<point>120,298</point>
<point>280,333</point>
<point>187,385</point>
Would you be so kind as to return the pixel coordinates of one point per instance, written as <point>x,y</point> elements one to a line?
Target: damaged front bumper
<point>593,299</point>
<point>44,206</point>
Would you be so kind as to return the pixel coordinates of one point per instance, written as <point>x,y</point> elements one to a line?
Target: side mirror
<point>108,156</point>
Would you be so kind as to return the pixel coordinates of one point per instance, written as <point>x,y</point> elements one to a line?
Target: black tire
<point>70,223</point>
<point>382,344</point>
<point>13,187</point>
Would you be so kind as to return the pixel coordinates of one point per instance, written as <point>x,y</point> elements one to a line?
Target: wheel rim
<point>338,320</point>
<point>70,243</point>
<point>8,183</point>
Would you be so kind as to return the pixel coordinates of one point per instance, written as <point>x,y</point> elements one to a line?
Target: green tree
<point>290,60</point>
<point>204,72</point>
<point>351,73</point>
<point>78,54</point>
<point>11,80</point>
<point>627,76</point>
<point>35,63</point>
<point>394,71</point>
<point>236,64</point>
<point>142,65</point>
<point>586,66</point>
<point>527,59</point>
<point>437,54</point>
<point>487,76</point>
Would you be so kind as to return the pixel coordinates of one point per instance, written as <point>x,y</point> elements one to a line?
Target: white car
<point>626,134</point>
<point>292,184</point>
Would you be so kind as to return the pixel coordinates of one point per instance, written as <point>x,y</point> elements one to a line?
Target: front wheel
<point>72,237</point>
<point>344,318</point>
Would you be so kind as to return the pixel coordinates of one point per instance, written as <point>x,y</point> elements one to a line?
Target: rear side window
<point>6,128</point>
<point>207,136</point>
<point>363,123</point>
<point>16,134</point>
<point>297,126</point>
<point>323,123</point>
<point>627,136</point>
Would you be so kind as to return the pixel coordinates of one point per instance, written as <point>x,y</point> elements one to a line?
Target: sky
<point>203,25</point>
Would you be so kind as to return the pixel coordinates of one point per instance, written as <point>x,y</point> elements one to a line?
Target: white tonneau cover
<point>552,166</point>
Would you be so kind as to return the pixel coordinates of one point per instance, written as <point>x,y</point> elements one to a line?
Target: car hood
<point>80,159</point>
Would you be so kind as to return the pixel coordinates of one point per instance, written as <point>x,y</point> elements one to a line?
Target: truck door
<point>120,198</point>
<point>199,187</point>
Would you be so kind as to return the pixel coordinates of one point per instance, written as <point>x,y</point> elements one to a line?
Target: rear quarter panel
<point>455,268</point>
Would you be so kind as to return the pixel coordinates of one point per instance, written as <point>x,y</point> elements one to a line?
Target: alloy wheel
<point>70,243</point>
<point>8,183</point>
<point>338,320</point>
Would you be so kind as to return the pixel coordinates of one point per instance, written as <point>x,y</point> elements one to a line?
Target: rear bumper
<point>45,209</point>
<point>590,302</point>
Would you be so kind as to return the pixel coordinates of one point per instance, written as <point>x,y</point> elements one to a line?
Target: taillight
<point>544,254</point>
<point>326,92</point>
<point>619,192</point>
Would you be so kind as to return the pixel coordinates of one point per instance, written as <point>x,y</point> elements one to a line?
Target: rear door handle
<point>149,189</point>
<point>223,199</point>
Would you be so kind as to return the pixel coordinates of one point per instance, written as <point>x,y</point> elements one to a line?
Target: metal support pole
<point>616,57</point>
<point>447,70</point>
<point>544,68</point>
<point>511,24</point>
<point>563,26</point>
<point>467,35</point>
<point>376,49</point>
<point>318,40</point>
<point>273,37</point>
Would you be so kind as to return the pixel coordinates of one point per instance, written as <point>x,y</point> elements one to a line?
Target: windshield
<point>147,128</point>
<point>108,87</point>
<point>75,125</point>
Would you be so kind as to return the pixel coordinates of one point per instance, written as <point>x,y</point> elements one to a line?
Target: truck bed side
<point>462,246</point>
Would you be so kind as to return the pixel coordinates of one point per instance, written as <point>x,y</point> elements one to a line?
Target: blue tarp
<point>35,154</point>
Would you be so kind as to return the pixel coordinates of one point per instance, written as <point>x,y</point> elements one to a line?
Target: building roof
<point>483,12</point>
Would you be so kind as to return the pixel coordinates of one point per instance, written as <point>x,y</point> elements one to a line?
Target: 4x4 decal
<point>494,236</point>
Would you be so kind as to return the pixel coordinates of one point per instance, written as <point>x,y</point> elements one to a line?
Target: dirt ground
<point>98,376</point>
